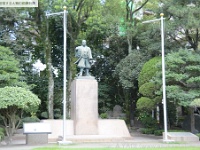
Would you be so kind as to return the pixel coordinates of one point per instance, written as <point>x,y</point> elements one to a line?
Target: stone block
<point>32,139</point>
<point>117,111</point>
<point>57,128</point>
<point>108,130</point>
<point>182,136</point>
<point>113,127</point>
<point>84,106</point>
<point>36,133</point>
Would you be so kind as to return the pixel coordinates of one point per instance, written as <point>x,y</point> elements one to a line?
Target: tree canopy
<point>182,76</point>
<point>147,88</point>
<point>9,68</point>
<point>14,101</point>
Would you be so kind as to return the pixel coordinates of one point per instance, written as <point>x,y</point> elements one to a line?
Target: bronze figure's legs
<point>87,72</point>
<point>81,72</point>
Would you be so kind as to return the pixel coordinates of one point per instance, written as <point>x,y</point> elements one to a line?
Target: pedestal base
<point>85,106</point>
<point>109,130</point>
<point>182,136</point>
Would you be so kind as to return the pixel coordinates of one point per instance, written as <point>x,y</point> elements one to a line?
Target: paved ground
<point>137,140</point>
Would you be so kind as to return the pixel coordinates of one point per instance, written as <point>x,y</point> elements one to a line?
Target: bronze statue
<point>84,55</point>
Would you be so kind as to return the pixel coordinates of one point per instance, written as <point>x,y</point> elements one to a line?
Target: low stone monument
<point>181,137</point>
<point>36,133</point>
<point>117,111</point>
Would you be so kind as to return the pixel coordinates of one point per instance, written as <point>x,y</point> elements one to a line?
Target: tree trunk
<point>50,96</point>
<point>192,122</point>
<point>50,91</point>
<point>132,113</point>
<point>129,39</point>
<point>11,122</point>
<point>127,104</point>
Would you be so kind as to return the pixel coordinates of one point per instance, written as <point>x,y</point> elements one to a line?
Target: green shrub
<point>147,130</point>
<point>57,113</point>
<point>145,103</point>
<point>143,130</point>
<point>104,115</point>
<point>44,115</point>
<point>158,132</point>
<point>29,119</point>
<point>147,121</point>
<point>173,130</point>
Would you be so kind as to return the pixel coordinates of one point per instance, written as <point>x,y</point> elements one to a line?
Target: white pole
<point>163,78</point>
<point>64,73</point>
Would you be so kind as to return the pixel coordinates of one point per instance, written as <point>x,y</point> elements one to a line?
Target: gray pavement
<point>138,140</point>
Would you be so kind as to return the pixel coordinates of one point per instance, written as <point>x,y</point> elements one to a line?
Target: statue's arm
<point>77,52</point>
<point>89,53</point>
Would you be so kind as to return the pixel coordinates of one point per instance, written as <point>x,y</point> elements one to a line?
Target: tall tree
<point>10,68</point>
<point>22,30</point>
<point>183,24</point>
<point>182,78</point>
<point>132,8</point>
<point>14,101</point>
<point>42,49</point>
<point>147,88</point>
<point>128,71</point>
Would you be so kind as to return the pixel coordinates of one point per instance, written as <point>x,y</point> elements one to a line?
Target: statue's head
<point>84,42</point>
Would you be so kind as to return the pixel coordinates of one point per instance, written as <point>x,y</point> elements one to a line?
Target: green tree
<point>23,32</point>
<point>132,8</point>
<point>127,72</point>
<point>182,81</point>
<point>128,69</point>
<point>147,88</point>
<point>183,22</point>
<point>13,102</point>
<point>182,78</point>
<point>110,90</point>
<point>17,32</point>
<point>9,70</point>
<point>79,11</point>
<point>185,80</point>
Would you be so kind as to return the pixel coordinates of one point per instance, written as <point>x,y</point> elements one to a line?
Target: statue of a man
<point>84,55</point>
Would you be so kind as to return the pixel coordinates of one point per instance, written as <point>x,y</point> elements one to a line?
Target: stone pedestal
<point>36,139</point>
<point>84,106</point>
<point>181,136</point>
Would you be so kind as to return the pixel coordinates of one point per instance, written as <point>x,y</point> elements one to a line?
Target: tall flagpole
<point>64,74</point>
<point>64,71</point>
<point>163,78</point>
<point>163,74</point>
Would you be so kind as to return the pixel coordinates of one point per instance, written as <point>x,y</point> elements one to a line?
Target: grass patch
<point>158,148</point>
